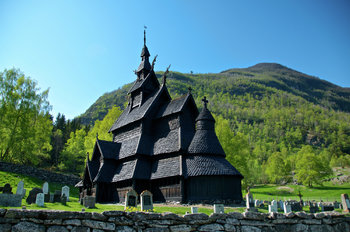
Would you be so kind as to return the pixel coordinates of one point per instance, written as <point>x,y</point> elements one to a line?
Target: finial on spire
<point>144,34</point>
<point>154,61</point>
<point>205,102</point>
<point>190,90</point>
<point>96,135</point>
<point>166,73</point>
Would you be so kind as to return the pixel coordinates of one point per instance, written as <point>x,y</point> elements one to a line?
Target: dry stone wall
<point>40,220</point>
<point>40,173</point>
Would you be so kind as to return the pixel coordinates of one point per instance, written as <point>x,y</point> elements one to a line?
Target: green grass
<point>32,182</point>
<point>328,192</point>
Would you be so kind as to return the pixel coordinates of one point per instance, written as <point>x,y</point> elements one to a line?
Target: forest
<point>275,124</point>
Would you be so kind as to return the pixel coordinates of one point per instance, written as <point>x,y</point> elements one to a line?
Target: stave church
<point>163,145</point>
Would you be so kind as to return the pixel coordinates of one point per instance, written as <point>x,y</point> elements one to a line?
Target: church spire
<point>144,67</point>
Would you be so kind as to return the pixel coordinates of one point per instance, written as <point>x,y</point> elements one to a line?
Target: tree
<point>74,154</point>
<point>25,126</point>
<point>310,168</point>
<point>276,168</point>
<point>101,129</point>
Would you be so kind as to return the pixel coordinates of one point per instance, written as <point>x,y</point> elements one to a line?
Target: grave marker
<point>287,208</point>
<point>250,202</point>
<point>10,200</point>
<point>32,195</point>
<point>131,199</point>
<point>65,191</point>
<point>20,188</point>
<point>39,200</point>
<point>345,202</point>
<point>219,208</point>
<point>89,202</point>
<point>194,210</point>
<point>46,188</point>
<point>146,200</point>
<point>7,189</point>
<point>57,196</point>
<point>273,207</point>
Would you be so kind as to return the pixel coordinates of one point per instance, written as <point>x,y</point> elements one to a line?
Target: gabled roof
<point>139,83</point>
<point>109,150</point>
<point>129,116</point>
<point>208,165</point>
<point>176,106</point>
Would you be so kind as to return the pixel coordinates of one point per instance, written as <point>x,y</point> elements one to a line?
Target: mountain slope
<point>259,80</point>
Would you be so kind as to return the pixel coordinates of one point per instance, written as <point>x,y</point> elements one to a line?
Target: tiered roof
<point>159,154</point>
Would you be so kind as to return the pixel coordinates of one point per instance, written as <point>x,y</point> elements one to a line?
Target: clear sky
<point>82,49</point>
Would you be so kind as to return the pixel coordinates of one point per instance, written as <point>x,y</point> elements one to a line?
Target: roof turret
<point>205,140</point>
<point>144,65</point>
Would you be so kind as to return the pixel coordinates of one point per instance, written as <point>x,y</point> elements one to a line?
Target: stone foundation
<point>41,220</point>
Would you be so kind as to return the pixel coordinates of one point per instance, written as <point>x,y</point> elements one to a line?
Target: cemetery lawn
<point>327,192</point>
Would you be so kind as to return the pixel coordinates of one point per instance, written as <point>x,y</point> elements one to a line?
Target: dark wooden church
<point>162,145</point>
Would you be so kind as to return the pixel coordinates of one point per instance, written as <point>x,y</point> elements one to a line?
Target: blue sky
<point>82,49</point>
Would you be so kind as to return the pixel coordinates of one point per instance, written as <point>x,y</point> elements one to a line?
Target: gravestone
<point>51,197</point>
<point>40,200</point>
<point>131,199</point>
<point>327,207</point>
<point>24,193</point>
<point>295,206</point>
<point>63,199</point>
<point>219,208</point>
<point>345,202</point>
<point>10,200</point>
<point>7,189</point>
<point>57,196</point>
<point>280,204</point>
<point>313,207</point>
<point>65,191</point>
<point>336,205</point>
<point>146,201</point>
<point>20,188</point>
<point>46,188</point>
<point>32,195</point>
<point>250,202</point>
<point>194,210</point>
<point>273,207</point>
<point>287,208</point>
<point>89,202</point>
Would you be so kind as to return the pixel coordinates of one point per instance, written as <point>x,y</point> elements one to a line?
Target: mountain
<point>262,79</point>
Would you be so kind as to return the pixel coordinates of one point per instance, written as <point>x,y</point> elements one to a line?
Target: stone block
<point>250,229</point>
<point>72,222</point>
<point>57,229</point>
<point>98,224</point>
<point>125,229</point>
<point>5,227</point>
<point>98,216</point>
<point>254,216</point>
<point>235,215</point>
<point>80,229</point>
<point>180,228</point>
<point>211,227</point>
<point>28,227</point>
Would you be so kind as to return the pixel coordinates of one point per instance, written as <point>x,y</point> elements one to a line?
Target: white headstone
<point>257,203</point>
<point>219,208</point>
<point>287,207</point>
<point>39,200</point>
<point>46,188</point>
<point>273,207</point>
<point>249,200</point>
<point>20,187</point>
<point>65,191</point>
<point>24,193</point>
<point>281,205</point>
<point>146,200</point>
<point>194,210</point>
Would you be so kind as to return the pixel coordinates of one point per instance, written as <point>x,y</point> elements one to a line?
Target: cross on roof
<point>189,90</point>
<point>144,35</point>
<point>205,101</point>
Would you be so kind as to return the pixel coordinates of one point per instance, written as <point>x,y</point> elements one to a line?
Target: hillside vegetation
<point>272,121</point>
